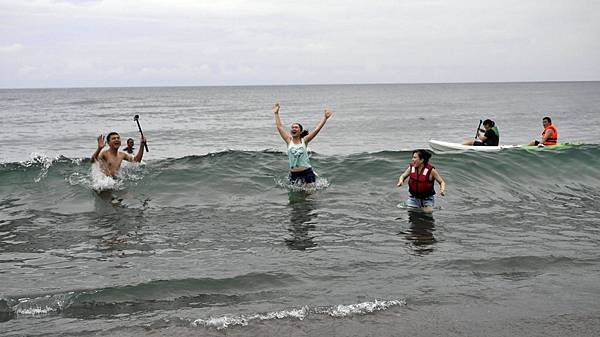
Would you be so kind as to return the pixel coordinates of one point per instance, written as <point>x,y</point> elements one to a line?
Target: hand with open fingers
<point>101,141</point>
<point>328,113</point>
<point>276,108</point>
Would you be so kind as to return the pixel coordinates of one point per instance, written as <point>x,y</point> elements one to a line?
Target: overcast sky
<point>60,43</point>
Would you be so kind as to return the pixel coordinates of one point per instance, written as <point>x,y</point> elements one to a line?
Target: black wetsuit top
<point>491,138</point>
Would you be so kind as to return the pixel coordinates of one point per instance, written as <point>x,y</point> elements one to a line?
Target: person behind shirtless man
<point>110,159</point>
<point>129,148</point>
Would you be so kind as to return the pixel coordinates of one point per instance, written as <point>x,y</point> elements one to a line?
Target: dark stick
<point>476,132</point>
<point>136,119</point>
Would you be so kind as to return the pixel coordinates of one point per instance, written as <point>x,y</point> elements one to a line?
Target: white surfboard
<point>441,146</point>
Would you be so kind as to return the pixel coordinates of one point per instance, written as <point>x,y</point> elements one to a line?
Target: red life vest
<point>551,140</point>
<point>419,185</point>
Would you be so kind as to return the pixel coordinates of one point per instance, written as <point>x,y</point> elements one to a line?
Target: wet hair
<point>548,119</point>
<point>110,134</point>
<point>423,154</point>
<point>489,123</point>
<point>129,139</point>
<point>303,133</point>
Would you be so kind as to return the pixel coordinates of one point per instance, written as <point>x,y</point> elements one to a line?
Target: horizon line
<point>291,85</point>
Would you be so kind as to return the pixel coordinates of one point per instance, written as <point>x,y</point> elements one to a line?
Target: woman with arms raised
<point>297,140</point>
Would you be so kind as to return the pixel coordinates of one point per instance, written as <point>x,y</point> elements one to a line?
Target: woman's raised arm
<point>286,136</point>
<point>312,134</point>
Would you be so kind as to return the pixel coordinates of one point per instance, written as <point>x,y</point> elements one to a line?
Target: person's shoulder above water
<point>129,148</point>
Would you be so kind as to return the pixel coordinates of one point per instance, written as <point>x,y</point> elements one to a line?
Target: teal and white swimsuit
<point>298,157</point>
<point>298,154</point>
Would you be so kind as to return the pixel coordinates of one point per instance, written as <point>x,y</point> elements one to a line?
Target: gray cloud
<point>122,43</point>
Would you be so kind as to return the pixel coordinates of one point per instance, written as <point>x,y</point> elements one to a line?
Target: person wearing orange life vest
<point>549,135</point>
<point>422,177</point>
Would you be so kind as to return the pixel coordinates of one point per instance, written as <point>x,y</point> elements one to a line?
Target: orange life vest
<point>554,138</point>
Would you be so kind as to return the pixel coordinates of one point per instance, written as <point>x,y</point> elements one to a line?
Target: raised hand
<point>276,108</point>
<point>101,141</point>
<point>328,113</point>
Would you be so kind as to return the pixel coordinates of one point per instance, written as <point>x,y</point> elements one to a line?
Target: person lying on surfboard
<point>421,176</point>
<point>111,158</point>
<point>490,136</point>
<point>549,135</point>
<point>297,140</point>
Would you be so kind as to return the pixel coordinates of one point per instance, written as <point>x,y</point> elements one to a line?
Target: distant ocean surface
<point>207,237</point>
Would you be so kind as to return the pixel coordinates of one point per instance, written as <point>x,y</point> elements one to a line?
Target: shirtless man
<point>110,159</point>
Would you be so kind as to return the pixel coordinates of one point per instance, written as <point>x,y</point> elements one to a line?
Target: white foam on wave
<point>37,311</point>
<point>40,306</point>
<point>220,322</point>
<point>98,181</point>
<point>320,184</point>
<point>45,161</point>
<point>42,159</point>
<point>102,182</point>
<point>225,321</point>
<point>338,311</point>
<point>361,308</point>
<point>131,171</point>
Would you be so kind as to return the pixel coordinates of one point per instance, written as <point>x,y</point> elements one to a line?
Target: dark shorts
<point>307,176</point>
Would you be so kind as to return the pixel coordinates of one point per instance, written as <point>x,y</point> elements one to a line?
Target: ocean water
<point>207,237</point>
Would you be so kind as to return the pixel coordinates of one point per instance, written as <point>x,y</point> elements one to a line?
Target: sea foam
<point>337,311</point>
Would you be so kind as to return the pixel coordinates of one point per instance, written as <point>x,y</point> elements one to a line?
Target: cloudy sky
<point>81,43</point>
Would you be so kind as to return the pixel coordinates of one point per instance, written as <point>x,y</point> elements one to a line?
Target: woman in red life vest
<point>549,135</point>
<point>421,180</point>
